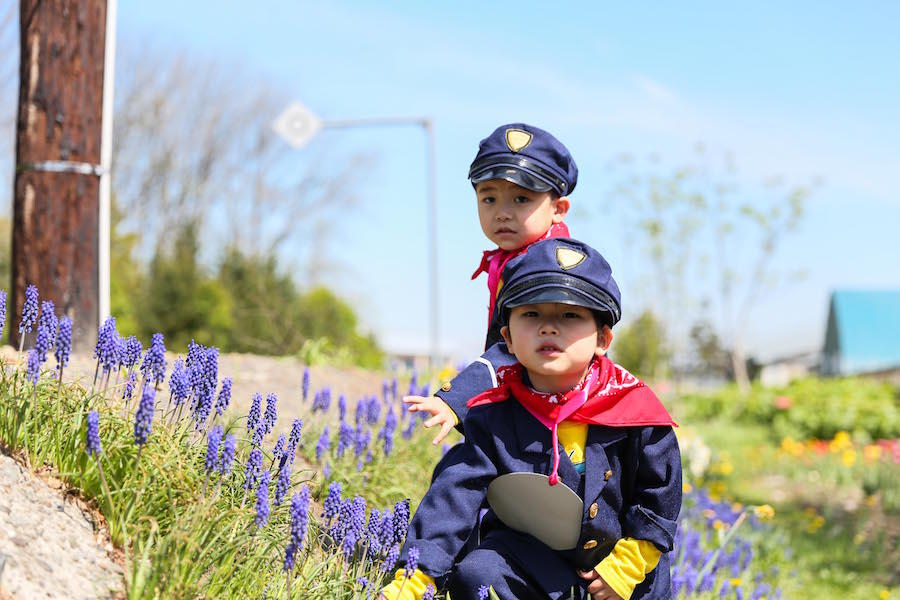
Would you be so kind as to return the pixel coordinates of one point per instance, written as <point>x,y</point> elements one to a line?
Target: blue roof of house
<point>867,325</point>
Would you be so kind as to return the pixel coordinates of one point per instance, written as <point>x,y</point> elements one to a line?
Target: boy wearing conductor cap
<point>576,457</point>
<point>522,176</point>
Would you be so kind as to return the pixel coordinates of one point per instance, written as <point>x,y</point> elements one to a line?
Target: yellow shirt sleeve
<point>628,564</point>
<point>403,588</point>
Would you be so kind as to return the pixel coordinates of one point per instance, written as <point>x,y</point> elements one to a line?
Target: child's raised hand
<point>441,413</point>
<point>597,588</point>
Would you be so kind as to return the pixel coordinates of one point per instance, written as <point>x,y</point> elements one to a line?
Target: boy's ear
<point>604,340</point>
<point>504,331</point>
<point>561,207</point>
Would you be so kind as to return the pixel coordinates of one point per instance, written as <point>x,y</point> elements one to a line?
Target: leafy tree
<point>180,300</point>
<point>325,316</point>
<point>126,277</point>
<point>641,346</point>
<point>697,223</point>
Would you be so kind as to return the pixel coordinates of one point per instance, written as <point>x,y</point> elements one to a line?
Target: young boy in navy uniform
<point>568,411</point>
<point>522,176</point>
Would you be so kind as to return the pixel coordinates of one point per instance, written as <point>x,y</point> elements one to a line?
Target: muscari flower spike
<point>130,382</point>
<point>323,445</point>
<point>299,521</point>
<point>94,448</point>
<point>294,440</point>
<point>132,354</point>
<point>227,458</point>
<point>262,499</point>
<point>271,414</point>
<point>332,504</point>
<point>254,416</point>
<point>29,309</point>
<point>224,397</point>
<point>48,326</point>
<point>401,520</point>
<point>253,469</point>
<point>354,526</point>
<point>212,448</point>
<point>305,384</point>
<point>412,561</point>
<point>2,311</point>
<point>143,418</point>
<point>342,407</point>
<point>179,383</point>
<point>483,592</point>
<point>63,342</point>
<point>283,483</point>
<point>154,365</point>
<point>33,366</point>
<point>345,438</point>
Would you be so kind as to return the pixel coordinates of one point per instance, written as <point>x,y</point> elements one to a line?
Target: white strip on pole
<point>103,242</point>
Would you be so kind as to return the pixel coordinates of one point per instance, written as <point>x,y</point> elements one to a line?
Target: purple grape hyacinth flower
<point>373,527</point>
<point>283,483</point>
<point>412,561</point>
<point>33,366</point>
<point>342,407</point>
<point>354,525</point>
<point>227,459</point>
<point>429,592</point>
<point>390,560</point>
<point>271,414</point>
<point>305,384</point>
<point>224,398</point>
<point>294,440</point>
<point>332,505</point>
<point>63,342</point>
<point>299,522</point>
<point>130,382</point>
<point>48,326</point>
<point>154,365</point>
<point>278,451</point>
<point>94,447</point>
<point>401,520</point>
<point>133,351</point>
<point>143,418</point>
<point>179,382</point>
<point>212,448</point>
<point>253,469</point>
<point>345,438</point>
<point>29,309</point>
<point>2,311</point>
<point>253,417</point>
<point>262,499</point>
<point>323,445</point>
<point>483,592</point>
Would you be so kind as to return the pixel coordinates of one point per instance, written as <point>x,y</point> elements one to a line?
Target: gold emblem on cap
<point>568,258</point>
<point>517,139</point>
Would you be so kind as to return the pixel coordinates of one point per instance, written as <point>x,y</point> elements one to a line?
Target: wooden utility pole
<point>58,139</point>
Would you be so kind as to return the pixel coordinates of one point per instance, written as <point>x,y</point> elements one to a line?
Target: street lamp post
<point>297,125</point>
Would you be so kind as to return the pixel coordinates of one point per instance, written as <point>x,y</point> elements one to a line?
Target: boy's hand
<point>441,414</point>
<point>597,588</point>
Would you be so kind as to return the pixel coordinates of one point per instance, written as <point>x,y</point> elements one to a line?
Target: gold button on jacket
<point>592,511</point>
<point>446,386</point>
<point>590,544</point>
<point>607,475</point>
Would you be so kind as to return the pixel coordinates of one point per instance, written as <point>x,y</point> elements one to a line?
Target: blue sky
<point>802,89</point>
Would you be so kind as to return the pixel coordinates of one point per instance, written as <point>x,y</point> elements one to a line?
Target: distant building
<point>778,372</point>
<point>863,333</point>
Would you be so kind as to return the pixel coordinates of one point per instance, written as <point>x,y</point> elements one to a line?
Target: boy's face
<point>555,343</point>
<point>512,216</point>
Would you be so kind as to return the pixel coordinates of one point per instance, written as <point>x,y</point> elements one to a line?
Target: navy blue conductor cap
<point>564,271</point>
<point>527,156</point>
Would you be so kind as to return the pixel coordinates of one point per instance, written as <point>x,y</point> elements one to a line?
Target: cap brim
<point>556,295</point>
<point>514,175</point>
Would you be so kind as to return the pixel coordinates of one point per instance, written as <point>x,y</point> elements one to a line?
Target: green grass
<point>178,542</point>
<point>836,552</point>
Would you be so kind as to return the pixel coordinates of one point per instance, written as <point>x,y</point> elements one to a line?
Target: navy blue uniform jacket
<point>478,377</point>
<point>641,498</point>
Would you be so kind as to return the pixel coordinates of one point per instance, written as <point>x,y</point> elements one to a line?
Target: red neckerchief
<point>600,399</point>
<point>493,261</point>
